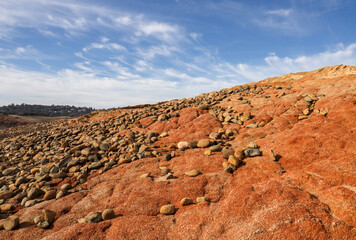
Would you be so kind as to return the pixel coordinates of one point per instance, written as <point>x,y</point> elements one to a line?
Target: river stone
<point>233,160</point>
<point>66,186</point>
<point>193,144</point>
<point>95,165</point>
<point>203,199</point>
<point>20,181</point>
<point>51,194</point>
<point>34,193</point>
<point>6,194</point>
<point>48,215</point>
<point>226,152</point>
<point>252,152</point>
<point>11,223</point>
<point>60,194</point>
<point>215,148</point>
<point>38,219</point>
<point>43,224</point>
<point>228,169</point>
<point>7,207</point>
<point>104,146</point>
<point>182,145</point>
<point>61,174</point>
<point>186,201</point>
<point>215,135</point>
<point>93,217</point>
<point>108,214</point>
<point>167,209</point>
<point>203,143</point>
<point>239,154</point>
<point>167,157</point>
<point>192,173</point>
<point>30,203</point>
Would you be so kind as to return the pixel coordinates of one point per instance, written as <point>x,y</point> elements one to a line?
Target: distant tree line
<point>44,110</point>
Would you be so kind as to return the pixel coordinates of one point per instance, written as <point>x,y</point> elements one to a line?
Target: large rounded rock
<point>6,194</point>
<point>34,193</point>
<point>108,214</point>
<point>48,215</point>
<point>182,145</point>
<point>204,143</point>
<point>226,152</point>
<point>167,209</point>
<point>11,223</point>
<point>252,152</point>
<point>186,201</point>
<point>192,173</point>
<point>51,194</point>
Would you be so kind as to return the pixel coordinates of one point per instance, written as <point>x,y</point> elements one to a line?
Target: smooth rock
<point>192,173</point>
<point>252,152</point>
<point>6,194</point>
<point>34,193</point>
<point>215,148</point>
<point>48,215</point>
<point>11,223</point>
<point>108,214</point>
<point>7,207</point>
<point>95,165</point>
<point>167,209</point>
<point>203,143</point>
<point>51,194</point>
<point>233,160</point>
<point>226,152</point>
<point>182,145</point>
<point>186,201</point>
<point>167,157</point>
<point>43,224</point>
<point>203,199</point>
<point>93,217</point>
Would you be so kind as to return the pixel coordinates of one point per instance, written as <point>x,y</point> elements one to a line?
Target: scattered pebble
<point>167,209</point>
<point>204,143</point>
<point>108,214</point>
<point>192,173</point>
<point>203,199</point>
<point>186,201</point>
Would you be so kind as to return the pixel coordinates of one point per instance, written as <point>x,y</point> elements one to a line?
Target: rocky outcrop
<point>267,160</point>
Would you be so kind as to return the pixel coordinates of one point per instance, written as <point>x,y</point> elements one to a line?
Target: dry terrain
<point>274,159</point>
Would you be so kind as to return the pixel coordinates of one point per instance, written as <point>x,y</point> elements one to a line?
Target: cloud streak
<point>86,88</point>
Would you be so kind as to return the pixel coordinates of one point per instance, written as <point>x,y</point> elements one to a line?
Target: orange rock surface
<point>308,193</point>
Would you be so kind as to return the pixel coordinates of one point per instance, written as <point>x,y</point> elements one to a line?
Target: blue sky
<point>107,54</point>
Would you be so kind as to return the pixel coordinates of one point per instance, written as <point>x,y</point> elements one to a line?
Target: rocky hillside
<point>269,160</point>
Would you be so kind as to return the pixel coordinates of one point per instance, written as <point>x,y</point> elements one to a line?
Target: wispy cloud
<point>127,87</point>
<point>24,53</point>
<point>280,12</point>
<point>274,65</point>
<point>105,44</point>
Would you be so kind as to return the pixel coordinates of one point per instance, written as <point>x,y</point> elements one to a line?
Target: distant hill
<point>9,121</point>
<point>44,110</point>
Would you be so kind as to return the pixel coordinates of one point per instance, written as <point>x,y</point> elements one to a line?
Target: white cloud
<point>275,65</point>
<point>75,18</point>
<point>125,20</point>
<point>280,12</point>
<point>105,44</point>
<point>154,51</point>
<point>24,53</point>
<point>87,86</point>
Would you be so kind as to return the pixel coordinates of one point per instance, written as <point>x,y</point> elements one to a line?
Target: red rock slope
<point>307,192</point>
